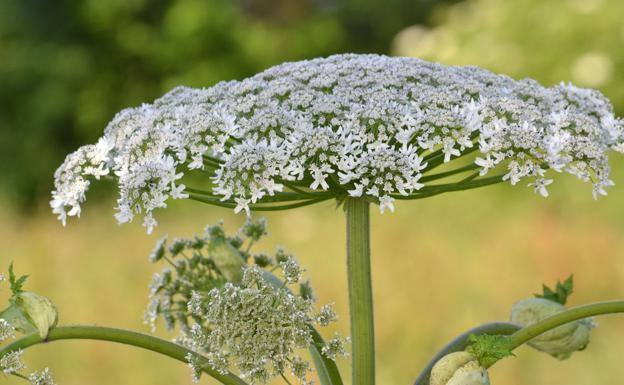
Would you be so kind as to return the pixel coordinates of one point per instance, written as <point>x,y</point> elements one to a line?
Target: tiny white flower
<point>320,176</point>
<point>540,186</point>
<point>357,191</point>
<point>242,204</point>
<point>486,164</point>
<point>599,188</point>
<point>386,202</point>
<point>149,223</point>
<point>177,191</point>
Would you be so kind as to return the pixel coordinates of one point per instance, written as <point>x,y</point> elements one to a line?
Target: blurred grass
<point>440,266</point>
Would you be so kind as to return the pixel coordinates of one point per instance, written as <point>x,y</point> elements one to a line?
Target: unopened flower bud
<point>159,250</point>
<point>560,342</point>
<point>226,258</point>
<point>30,312</point>
<point>458,368</point>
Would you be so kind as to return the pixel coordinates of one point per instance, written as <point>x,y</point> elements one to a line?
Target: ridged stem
<point>360,292</point>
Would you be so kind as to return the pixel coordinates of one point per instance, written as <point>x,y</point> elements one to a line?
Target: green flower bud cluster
<point>199,264</point>
<point>236,308</point>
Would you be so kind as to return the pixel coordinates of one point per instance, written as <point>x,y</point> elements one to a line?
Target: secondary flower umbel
<point>255,321</point>
<point>347,125</point>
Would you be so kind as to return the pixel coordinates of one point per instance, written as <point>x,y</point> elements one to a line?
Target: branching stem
<point>526,334</point>
<point>120,336</point>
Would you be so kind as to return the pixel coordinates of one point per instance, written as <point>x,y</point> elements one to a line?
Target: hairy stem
<point>360,292</point>
<point>120,336</point>
<point>524,335</point>
<point>461,342</point>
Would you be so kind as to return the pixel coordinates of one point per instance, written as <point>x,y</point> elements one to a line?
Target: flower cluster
<point>200,264</point>
<point>252,320</point>
<point>255,326</point>
<point>41,378</point>
<point>6,330</point>
<point>191,267</point>
<point>12,362</point>
<point>347,125</point>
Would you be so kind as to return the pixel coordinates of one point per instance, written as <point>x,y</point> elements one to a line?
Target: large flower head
<point>364,126</point>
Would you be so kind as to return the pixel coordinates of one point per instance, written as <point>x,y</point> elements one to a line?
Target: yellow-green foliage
<point>551,41</point>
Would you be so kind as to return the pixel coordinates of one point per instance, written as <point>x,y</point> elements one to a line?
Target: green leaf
<point>561,292</point>
<point>489,348</point>
<point>325,368</point>
<point>15,315</point>
<point>16,283</point>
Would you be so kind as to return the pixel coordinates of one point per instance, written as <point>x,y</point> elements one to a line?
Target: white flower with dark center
<point>365,126</point>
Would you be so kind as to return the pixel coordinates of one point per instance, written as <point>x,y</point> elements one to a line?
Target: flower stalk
<point>524,335</point>
<point>121,336</point>
<point>461,342</point>
<point>360,291</point>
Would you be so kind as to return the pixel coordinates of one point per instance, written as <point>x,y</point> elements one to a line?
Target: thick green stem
<point>360,292</point>
<point>524,335</point>
<point>126,337</point>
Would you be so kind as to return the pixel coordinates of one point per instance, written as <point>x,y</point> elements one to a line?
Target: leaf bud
<point>30,312</point>
<point>560,342</point>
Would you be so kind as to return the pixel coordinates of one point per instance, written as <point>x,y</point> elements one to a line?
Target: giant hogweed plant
<point>359,130</point>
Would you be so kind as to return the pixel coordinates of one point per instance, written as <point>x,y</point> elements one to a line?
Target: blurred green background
<point>440,265</point>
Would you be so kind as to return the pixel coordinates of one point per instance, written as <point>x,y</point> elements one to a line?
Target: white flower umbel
<point>255,322</point>
<point>347,125</point>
